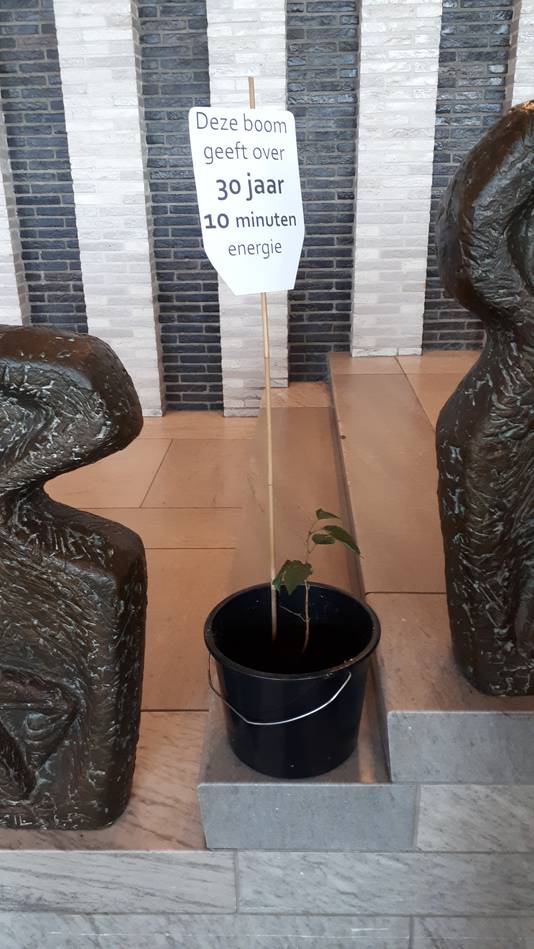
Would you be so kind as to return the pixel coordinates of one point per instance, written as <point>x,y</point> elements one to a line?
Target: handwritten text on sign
<point>248,189</point>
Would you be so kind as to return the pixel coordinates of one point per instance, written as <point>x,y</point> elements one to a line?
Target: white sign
<point>248,190</point>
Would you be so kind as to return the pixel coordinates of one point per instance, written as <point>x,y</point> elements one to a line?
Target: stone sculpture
<point>485,432</point>
<point>72,588</point>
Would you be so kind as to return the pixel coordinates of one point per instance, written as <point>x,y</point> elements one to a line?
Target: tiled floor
<point>181,485</point>
<point>434,377</point>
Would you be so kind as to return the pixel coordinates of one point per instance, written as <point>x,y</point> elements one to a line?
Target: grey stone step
<point>354,807</point>
<point>440,729</point>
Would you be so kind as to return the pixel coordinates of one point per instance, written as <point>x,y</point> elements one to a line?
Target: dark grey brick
<point>322,93</point>
<point>175,73</point>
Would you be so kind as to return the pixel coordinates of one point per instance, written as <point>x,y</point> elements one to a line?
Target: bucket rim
<point>220,656</point>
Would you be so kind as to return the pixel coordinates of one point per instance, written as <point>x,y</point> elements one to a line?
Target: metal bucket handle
<point>284,721</point>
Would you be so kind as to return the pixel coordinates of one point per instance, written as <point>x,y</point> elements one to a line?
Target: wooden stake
<point>251,93</point>
<point>268,409</point>
<point>270,479</point>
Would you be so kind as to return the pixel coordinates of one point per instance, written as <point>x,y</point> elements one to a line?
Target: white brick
<point>98,47</point>
<point>398,86</point>
<point>13,290</point>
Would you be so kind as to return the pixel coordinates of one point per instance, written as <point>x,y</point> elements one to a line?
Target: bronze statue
<point>485,432</point>
<point>72,588</point>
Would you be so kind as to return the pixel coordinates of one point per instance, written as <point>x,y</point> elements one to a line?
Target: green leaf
<point>278,581</point>
<point>343,536</point>
<point>325,515</point>
<point>291,575</point>
<point>323,539</point>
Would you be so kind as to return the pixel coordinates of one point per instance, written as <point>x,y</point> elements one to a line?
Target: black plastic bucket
<point>291,714</point>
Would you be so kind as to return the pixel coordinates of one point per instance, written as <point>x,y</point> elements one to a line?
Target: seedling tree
<point>295,573</point>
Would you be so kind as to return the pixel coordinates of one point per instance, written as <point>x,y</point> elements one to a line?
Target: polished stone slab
<point>120,480</point>
<point>353,807</point>
<point>476,818</point>
<point>172,528</point>
<point>212,477</point>
<point>494,933</point>
<point>184,881</point>
<point>183,586</point>
<point>387,883</point>
<point>363,365</point>
<point>301,395</point>
<point>53,931</point>
<point>456,748</point>
<point>433,389</point>
<point>178,424</point>
<point>440,362</point>
<point>441,730</point>
<point>389,461</point>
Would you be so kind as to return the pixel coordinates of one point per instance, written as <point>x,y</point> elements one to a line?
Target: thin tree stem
<point>294,613</point>
<point>306,615</point>
<point>309,552</point>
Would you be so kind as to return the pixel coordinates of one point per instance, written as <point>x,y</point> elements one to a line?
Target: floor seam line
<point>156,473</point>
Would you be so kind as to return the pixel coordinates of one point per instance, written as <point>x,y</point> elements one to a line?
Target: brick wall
<point>35,122</point>
<point>174,57</point>
<point>322,56</point>
<point>474,51</point>
<point>382,52</point>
